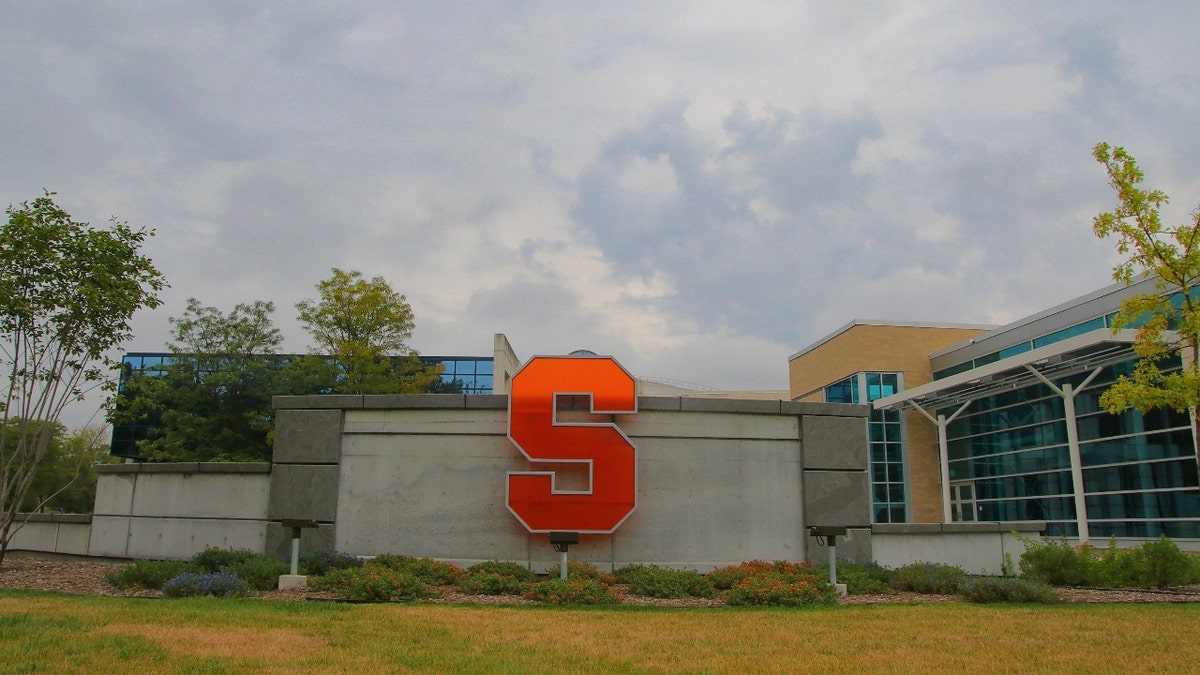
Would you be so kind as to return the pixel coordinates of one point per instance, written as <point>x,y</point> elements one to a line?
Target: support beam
<point>941,422</point>
<point>1067,392</point>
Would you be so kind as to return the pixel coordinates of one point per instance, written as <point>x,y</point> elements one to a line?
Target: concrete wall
<point>171,511</point>
<point>719,481</point>
<point>978,548</point>
<point>66,534</point>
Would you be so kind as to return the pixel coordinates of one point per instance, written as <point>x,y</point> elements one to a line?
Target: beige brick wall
<point>904,349</point>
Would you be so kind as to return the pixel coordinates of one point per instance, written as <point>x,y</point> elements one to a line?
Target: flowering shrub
<point>1007,589</point>
<point>430,571</point>
<point>148,573</point>
<point>780,589</point>
<point>728,577</point>
<point>190,584</point>
<point>573,591</point>
<point>375,583</point>
<point>657,582</point>
<point>261,572</point>
<point>925,577</point>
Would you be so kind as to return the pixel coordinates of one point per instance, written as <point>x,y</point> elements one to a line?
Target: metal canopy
<point>1074,355</point>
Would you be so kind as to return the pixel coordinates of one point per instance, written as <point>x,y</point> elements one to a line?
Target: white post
<point>562,564</point>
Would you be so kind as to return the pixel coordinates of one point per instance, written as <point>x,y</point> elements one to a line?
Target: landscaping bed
<point>90,577</point>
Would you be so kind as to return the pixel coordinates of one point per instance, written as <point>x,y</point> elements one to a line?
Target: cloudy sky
<point>698,188</point>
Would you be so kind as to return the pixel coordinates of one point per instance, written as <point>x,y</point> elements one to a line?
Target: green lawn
<point>47,632</point>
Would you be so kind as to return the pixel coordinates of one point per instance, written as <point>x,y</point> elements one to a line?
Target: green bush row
<point>1154,564</point>
<point>210,567</point>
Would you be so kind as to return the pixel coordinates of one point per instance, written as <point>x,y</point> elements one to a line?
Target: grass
<point>48,632</point>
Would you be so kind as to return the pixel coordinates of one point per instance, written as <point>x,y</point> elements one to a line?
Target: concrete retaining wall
<point>172,511</point>
<point>719,481</point>
<point>65,534</point>
<point>978,548</point>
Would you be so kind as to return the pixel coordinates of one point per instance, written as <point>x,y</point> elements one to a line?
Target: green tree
<point>1168,320</point>
<point>66,480</point>
<point>68,293</point>
<point>212,401</point>
<point>365,326</point>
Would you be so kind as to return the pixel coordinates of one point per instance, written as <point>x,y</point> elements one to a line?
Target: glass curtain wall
<point>1139,471</point>
<point>885,439</point>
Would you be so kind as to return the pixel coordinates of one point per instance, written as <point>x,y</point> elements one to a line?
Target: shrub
<point>728,577</point>
<point>491,583</point>
<point>218,584</point>
<point>375,583</point>
<point>578,569</point>
<point>507,569</point>
<point>148,573</point>
<point>433,572</point>
<point>657,582</point>
<point>780,589</point>
<point>216,559</point>
<point>869,579</point>
<point>1001,589</point>
<point>1058,563</point>
<point>924,577</point>
<point>1120,567</point>
<point>260,572</point>
<point>319,563</point>
<point>1165,565</point>
<point>573,591</point>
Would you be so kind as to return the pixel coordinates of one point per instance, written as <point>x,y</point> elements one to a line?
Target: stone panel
<point>304,491</point>
<point>837,498</point>
<point>202,495</point>
<point>664,424</point>
<point>419,421</point>
<point>109,537</point>
<point>179,538</point>
<point>837,443</point>
<point>312,540</point>
<point>114,493</point>
<point>307,436</point>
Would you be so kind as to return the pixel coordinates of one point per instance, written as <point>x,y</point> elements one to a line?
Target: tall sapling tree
<point>68,293</point>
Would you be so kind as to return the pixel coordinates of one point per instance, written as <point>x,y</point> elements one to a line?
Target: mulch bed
<point>89,577</point>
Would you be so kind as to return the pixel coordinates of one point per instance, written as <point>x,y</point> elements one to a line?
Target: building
<point>1004,424</point>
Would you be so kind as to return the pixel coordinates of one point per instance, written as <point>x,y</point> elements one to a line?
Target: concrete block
<point>181,538</point>
<point>289,582</point>
<point>665,403</point>
<point>485,402</point>
<point>307,436</point>
<point>235,467</point>
<point>109,536</point>
<point>318,402</point>
<point>837,498</point>
<point>906,528</point>
<point>709,425</point>
<point>303,491</point>
<point>114,493</point>
<point>485,421</point>
<point>729,405</point>
<point>202,495</point>
<point>312,540</point>
<point>415,401</point>
<point>73,539</point>
<point>171,467</point>
<point>824,409</point>
<point>838,443</point>
<point>436,496</point>
<point>36,537</point>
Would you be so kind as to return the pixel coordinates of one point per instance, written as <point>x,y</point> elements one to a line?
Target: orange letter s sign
<point>534,427</point>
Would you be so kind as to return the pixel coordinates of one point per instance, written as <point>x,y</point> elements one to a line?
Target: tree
<point>66,480</point>
<point>365,326</point>
<point>1168,320</point>
<point>212,401</point>
<point>68,293</point>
